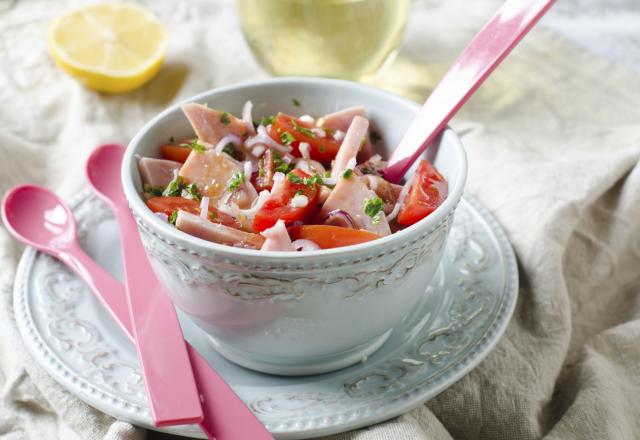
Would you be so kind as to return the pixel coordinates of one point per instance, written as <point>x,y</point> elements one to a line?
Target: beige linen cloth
<point>553,140</point>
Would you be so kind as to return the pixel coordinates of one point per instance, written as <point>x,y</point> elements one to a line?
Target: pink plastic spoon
<point>225,415</point>
<point>39,218</point>
<point>171,388</point>
<point>476,62</point>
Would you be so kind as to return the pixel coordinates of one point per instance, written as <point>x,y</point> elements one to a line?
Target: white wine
<point>334,38</point>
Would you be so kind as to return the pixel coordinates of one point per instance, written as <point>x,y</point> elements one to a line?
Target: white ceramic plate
<point>464,312</point>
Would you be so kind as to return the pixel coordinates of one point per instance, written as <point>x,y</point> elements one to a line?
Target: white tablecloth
<point>553,140</point>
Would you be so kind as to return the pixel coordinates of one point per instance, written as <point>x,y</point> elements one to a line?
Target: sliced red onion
<point>263,138</point>
<point>287,158</point>
<point>230,138</point>
<point>403,194</point>
<point>305,245</point>
<point>250,213</point>
<point>307,118</point>
<point>248,171</point>
<point>258,150</point>
<point>339,217</point>
<point>319,132</point>
<point>330,181</point>
<point>247,119</point>
<point>304,166</point>
<point>305,150</point>
<point>204,207</point>
<point>299,201</point>
<point>163,216</point>
<point>339,135</point>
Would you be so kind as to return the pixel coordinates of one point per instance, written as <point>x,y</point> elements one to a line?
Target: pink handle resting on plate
<point>225,415</point>
<point>171,388</point>
<point>487,49</point>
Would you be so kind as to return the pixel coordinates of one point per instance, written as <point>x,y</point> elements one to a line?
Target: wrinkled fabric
<point>553,140</point>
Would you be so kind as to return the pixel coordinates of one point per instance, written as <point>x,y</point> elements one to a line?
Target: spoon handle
<point>108,290</point>
<point>168,376</point>
<point>483,54</point>
<point>225,414</point>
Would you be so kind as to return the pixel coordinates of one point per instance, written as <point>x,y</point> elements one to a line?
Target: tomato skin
<point>167,205</point>
<point>178,151</point>
<point>321,149</point>
<point>277,205</point>
<point>428,191</point>
<point>174,152</point>
<point>327,236</point>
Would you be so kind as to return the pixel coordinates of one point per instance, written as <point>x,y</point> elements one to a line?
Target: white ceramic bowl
<point>297,313</point>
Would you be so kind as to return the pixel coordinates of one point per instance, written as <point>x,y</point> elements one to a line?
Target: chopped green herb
<point>174,188</point>
<point>268,120</point>
<point>316,179</point>
<point>295,102</point>
<point>195,145</point>
<point>347,173</point>
<point>157,191</point>
<point>367,170</point>
<point>312,180</point>
<point>299,192</point>
<point>232,151</point>
<point>327,173</point>
<point>191,192</point>
<point>304,130</point>
<point>224,118</point>
<point>205,104</point>
<point>373,208</point>
<point>294,178</point>
<point>172,140</point>
<point>287,138</point>
<point>321,149</point>
<point>282,167</point>
<point>173,217</point>
<point>374,137</point>
<point>236,180</point>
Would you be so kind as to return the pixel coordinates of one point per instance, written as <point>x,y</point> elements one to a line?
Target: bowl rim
<point>150,220</point>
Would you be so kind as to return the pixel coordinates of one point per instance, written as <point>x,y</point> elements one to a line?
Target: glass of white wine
<point>334,38</point>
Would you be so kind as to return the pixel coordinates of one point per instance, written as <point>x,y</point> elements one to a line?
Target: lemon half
<point>109,47</point>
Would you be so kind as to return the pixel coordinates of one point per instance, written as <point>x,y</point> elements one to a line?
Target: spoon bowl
<point>103,173</point>
<point>38,218</point>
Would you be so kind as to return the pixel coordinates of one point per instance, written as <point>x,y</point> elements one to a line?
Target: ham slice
<point>195,225</point>
<point>350,195</point>
<point>157,172</point>
<point>212,125</point>
<point>350,146</point>
<point>341,120</point>
<point>277,238</point>
<point>211,172</point>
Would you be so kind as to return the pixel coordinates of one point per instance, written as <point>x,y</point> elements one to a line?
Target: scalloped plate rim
<point>404,401</point>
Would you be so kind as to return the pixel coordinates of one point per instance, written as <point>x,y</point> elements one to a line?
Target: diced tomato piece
<point>177,151</point>
<point>278,205</point>
<point>169,204</point>
<point>327,236</point>
<point>427,193</point>
<point>266,170</point>
<point>321,149</point>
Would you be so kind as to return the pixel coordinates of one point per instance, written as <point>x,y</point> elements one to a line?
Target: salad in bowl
<point>285,182</point>
<point>271,223</point>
